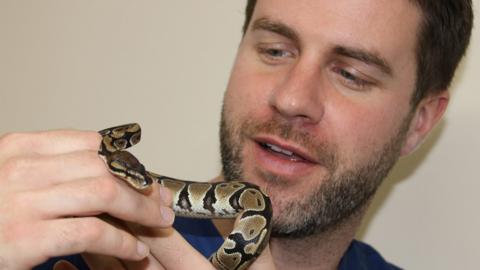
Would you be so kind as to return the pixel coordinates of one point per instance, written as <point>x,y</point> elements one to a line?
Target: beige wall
<point>92,64</point>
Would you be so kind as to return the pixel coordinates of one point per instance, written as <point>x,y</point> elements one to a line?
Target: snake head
<point>126,166</point>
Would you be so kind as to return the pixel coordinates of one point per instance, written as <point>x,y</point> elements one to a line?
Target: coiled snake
<point>200,200</point>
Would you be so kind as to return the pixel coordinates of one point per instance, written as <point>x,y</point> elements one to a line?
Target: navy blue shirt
<point>202,234</point>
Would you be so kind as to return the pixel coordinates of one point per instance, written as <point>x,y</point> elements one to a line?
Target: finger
<point>64,265</point>
<point>48,142</point>
<point>62,237</point>
<point>98,195</point>
<point>37,171</point>
<point>171,250</point>
<point>174,252</point>
<point>149,263</point>
<point>161,194</point>
<point>101,262</point>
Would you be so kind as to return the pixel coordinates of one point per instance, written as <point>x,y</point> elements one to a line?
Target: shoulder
<point>361,256</point>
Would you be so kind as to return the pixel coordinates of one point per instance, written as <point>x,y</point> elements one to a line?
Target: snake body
<point>232,199</point>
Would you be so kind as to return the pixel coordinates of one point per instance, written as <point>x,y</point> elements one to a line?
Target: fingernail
<point>142,249</point>
<point>167,214</point>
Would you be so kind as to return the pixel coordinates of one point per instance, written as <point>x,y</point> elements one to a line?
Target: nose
<point>298,95</point>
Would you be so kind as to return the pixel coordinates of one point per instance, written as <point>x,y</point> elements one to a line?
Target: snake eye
<point>120,143</point>
<point>135,138</point>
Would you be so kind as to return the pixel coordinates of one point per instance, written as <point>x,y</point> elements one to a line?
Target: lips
<point>281,152</point>
<point>274,156</point>
<point>285,150</point>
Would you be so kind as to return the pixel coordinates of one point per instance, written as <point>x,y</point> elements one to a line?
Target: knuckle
<point>92,229</point>
<point>94,235</point>
<point>106,189</point>
<point>126,244</point>
<point>15,142</point>
<point>18,240</point>
<point>13,167</point>
<point>96,162</point>
<point>13,204</point>
<point>77,235</point>
<point>12,232</point>
<point>10,138</point>
<point>150,211</point>
<point>139,201</point>
<point>11,211</point>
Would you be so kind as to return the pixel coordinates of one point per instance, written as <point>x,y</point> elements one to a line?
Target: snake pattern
<point>232,199</point>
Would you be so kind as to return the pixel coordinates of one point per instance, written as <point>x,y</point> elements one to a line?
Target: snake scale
<point>234,199</point>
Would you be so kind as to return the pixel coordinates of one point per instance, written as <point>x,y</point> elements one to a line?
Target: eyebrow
<point>275,27</point>
<point>367,57</point>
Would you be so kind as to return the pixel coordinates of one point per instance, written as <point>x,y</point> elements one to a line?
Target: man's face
<point>317,107</point>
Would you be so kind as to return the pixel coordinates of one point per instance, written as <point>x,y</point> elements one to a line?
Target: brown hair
<point>442,42</point>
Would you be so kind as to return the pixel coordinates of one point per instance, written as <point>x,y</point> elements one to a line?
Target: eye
<point>351,79</point>
<point>274,54</point>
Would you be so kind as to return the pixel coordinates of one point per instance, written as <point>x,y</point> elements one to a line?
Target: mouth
<point>282,158</point>
<point>285,152</point>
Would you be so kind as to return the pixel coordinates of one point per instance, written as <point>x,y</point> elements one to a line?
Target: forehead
<point>387,27</point>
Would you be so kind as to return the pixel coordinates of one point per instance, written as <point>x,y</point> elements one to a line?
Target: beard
<point>342,192</point>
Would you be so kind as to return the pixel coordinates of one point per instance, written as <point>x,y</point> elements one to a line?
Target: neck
<point>320,251</point>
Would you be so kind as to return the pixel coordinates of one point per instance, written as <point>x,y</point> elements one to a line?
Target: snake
<point>244,201</point>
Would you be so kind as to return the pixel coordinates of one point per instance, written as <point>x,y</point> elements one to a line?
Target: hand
<point>169,251</point>
<point>52,186</point>
<point>173,252</point>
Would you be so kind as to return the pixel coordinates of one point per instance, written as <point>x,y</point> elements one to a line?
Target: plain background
<point>93,64</point>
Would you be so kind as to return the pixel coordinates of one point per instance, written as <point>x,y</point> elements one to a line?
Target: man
<point>323,98</point>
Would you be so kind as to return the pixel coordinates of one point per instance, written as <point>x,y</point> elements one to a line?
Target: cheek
<point>247,91</point>
<point>363,131</point>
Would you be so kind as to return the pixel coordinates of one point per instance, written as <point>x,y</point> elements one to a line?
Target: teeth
<point>279,150</point>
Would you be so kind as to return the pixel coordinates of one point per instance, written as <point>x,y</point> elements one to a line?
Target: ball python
<point>233,199</point>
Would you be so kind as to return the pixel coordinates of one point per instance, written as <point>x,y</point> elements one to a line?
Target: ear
<point>427,114</point>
